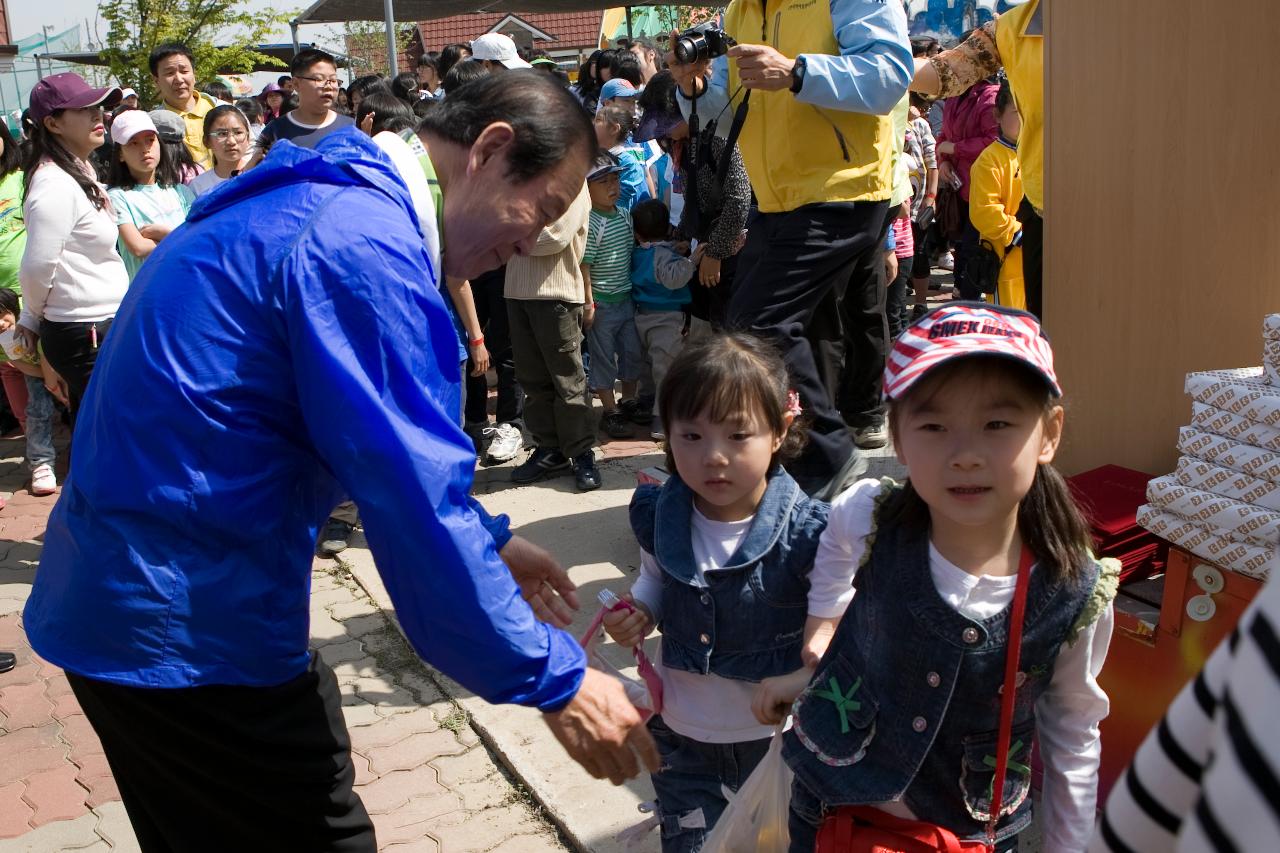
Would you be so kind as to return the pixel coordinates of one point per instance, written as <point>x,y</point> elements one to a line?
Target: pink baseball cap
<point>129,124</point>
<point>965,329</point>
<point>69,91</point>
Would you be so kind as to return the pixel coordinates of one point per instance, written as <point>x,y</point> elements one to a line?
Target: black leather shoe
<point>543,462</point>
<point>8,660</point>
<point>585,473</point>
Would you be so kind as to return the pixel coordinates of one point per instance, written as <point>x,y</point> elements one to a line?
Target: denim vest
<point>747,620</point>
<point>906,702</point>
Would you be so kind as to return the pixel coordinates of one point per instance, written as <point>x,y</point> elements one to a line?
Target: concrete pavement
<point>421,770</point>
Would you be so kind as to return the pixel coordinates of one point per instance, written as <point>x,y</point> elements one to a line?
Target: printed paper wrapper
<point>1228,453</point>
<point>1231,425</point>
<point>1243,392</point>
<point>1208,477</point>
<point>1271,360</point>
<point>1271,327</point>
<point>1240,522</point>
<point>1208,544</point>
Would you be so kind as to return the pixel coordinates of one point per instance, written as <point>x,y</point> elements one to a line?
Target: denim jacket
<point>746,619</point>
<point>906,702</point>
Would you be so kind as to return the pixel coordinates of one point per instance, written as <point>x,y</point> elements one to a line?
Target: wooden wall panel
<point>1162,246</point>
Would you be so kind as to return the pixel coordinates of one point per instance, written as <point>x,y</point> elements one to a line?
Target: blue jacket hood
<point>346,157</point>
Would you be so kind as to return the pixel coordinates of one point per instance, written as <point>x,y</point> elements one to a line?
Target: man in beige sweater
<point>545,296</point>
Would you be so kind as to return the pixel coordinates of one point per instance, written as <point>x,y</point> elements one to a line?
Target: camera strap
<point>735,130</point>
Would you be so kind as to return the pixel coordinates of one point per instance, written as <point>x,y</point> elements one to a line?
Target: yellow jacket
<point>797,153</point>
<point>995,191</point>
<point>1020,40</point>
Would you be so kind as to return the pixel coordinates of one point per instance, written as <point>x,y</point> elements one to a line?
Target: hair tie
<point>793,403</point>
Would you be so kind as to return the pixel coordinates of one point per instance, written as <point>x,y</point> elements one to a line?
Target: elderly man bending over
<point>286,346</point>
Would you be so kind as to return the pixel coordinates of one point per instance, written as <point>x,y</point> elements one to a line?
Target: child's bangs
<point>721,392</point>
<point>979,374</point>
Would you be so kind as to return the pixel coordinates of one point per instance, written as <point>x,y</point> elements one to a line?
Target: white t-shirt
<point>71,271</point>
<point>1067,713</point>
<point>707,708</point>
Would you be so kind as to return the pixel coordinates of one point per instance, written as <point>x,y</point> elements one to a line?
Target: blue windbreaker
<point>286,346</point>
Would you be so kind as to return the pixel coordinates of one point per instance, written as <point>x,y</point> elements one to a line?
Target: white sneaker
<point>507,442</point>
<point>947,261</point>
<point>42,480</point>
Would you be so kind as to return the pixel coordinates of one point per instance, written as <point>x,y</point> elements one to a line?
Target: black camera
<point>705,41</point>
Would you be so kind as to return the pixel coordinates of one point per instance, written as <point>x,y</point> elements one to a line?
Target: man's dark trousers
<point>491,310</point>
<point>791,261</point>
<point>866,336</point>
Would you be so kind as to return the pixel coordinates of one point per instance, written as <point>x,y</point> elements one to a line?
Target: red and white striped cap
<point>964,329</point>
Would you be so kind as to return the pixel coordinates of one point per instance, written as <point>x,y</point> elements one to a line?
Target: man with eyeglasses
<point>316,83</point>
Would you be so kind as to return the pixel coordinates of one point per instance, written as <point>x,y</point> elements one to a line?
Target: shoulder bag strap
<point>1012,654</point>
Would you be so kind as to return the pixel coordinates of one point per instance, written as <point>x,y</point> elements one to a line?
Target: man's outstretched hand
<point>543,583</point>
<point>601,730</point>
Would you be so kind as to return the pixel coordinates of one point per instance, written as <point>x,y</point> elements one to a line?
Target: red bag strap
<point>1012,654</point>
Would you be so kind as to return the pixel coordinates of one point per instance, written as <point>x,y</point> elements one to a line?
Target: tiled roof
<point>570,29</point>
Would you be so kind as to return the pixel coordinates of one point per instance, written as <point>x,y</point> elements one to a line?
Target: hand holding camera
<point>759,65</point>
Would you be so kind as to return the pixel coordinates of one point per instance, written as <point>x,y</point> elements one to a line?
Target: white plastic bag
<point>756,818</point>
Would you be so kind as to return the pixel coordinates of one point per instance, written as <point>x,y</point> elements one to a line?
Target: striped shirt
<point>1208,776</point>
<point>610,239</point>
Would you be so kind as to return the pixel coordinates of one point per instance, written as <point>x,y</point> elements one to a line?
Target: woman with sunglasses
<point>72,277</point>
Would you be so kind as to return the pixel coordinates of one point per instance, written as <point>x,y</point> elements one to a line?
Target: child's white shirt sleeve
<point>841,548</point>
<point>647,589</point>
<point>1067,717</point>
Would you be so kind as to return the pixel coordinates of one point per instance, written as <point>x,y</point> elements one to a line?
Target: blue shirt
<point>868,76</point>
<point>253,376</point>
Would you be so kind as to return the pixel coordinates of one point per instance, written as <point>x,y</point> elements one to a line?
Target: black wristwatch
<point>797,75</point>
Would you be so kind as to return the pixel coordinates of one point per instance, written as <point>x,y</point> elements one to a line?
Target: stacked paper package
<point>1223,501</point>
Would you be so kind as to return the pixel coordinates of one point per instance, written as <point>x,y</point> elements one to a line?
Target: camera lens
<point>690,49</point>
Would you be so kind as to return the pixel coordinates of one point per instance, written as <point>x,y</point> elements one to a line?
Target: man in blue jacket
<point>286,347</point>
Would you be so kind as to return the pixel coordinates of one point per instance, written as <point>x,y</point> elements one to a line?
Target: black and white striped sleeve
<point>1208,775</point>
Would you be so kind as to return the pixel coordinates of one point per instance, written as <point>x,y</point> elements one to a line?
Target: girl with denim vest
<point>727,544</point>
<point>903,711</point>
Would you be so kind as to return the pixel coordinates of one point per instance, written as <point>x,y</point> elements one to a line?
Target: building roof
<point>569,29</point>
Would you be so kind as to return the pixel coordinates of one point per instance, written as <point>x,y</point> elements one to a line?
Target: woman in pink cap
<point>72,277</point>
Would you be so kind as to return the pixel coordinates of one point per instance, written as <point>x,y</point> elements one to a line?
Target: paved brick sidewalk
<point>420,769</point>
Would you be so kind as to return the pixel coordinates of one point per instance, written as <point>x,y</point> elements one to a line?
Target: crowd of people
<point>732,255</point>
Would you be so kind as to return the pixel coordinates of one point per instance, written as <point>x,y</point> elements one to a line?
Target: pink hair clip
<point>793,403</point>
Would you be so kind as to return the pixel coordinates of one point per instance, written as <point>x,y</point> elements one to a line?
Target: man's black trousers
<point>791,261</point>
<point>221,768</point>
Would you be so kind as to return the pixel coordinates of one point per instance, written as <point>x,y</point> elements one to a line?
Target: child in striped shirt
<point>609,318</point>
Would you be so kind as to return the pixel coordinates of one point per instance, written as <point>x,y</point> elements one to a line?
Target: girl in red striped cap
<point>977,621</point>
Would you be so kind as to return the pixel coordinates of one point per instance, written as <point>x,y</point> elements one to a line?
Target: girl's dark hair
<point>1049,519</point>
<point>43,143</point>
<point>651,220</point>
<point>549,126</point>
<point>430,59</point>
<point>10,157</point>
<point>622,117</point>
<point>422,106</point>
<point>9,301</point>
<point>627,67</point>
<point>1004,98</point>
<point>607,58</point>
<point>921,45</point>
<point>289,104</point>
<point>168,173</point>
<point>659,95</point>
<point>405,87</point>
<point>179,157</point>
<point>588,82</point>
<point>725,376</point>
<point>250,109</point>
<point>389,112</point>
<point>450,56</point>
<point>217,90</point>
<point>362,86</point>
<point>462,74</point>
<point>211,117</point>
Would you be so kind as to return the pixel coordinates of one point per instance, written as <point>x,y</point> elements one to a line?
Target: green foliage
<point>366,43</point>
<point>220,34</point>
